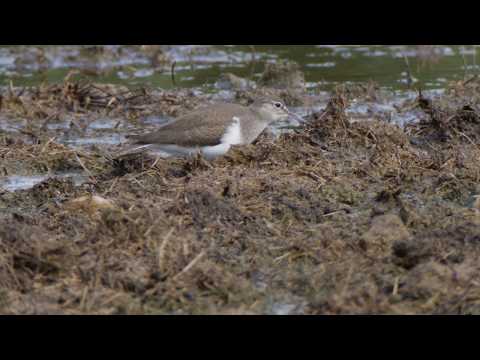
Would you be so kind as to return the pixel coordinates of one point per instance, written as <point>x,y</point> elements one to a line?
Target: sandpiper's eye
<point>278,105</point>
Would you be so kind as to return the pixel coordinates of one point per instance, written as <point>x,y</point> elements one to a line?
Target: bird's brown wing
<point>203,127</point>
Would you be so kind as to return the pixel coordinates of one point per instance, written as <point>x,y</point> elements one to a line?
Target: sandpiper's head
<point>271,110</point>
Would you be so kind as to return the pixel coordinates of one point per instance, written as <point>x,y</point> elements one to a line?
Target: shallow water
<point>16,182</point>
<point>107,139</point>
<point>200,65</point>
<point>283,308</point>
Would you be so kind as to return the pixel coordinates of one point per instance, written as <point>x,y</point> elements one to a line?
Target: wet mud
<point>343,214</point>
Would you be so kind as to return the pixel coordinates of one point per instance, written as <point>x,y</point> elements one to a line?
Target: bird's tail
<point>131,150</point>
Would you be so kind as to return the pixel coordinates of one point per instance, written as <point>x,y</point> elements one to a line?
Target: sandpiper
<point>214,129</point>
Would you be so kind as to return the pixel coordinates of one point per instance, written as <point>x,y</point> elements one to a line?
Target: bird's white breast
<point>233,133</point>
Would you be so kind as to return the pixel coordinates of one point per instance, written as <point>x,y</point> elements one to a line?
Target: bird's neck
<point>262,114</point>
<point>252,126</point>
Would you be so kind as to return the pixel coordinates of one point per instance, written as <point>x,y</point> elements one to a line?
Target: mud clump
<point>90,204</point>
<point>207,209</point>
<point>408,253</point>
<point>230,81</point>
<point>283,80</point>
<point>449,118</point>
<point>385,231</point>
<point>283,74</point>
<point>26,250</point>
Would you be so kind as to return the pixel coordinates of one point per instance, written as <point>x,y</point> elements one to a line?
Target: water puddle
<point>106,139</point>
<point>156,120</point>
<point>15,182</point>
<point>12,125</point>
<point>284,309</point>
<point>296,307</point>
<point>105,123</point>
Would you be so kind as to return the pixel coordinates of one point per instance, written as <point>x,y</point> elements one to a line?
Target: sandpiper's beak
<point>297,117</point>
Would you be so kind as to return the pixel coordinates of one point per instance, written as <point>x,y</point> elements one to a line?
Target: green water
<point>200,66</point>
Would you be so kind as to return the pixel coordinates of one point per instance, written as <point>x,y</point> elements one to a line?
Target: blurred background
<point>391,66</point>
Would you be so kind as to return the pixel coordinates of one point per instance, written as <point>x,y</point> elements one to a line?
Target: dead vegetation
<point>77,97</point>
<point>337,217</point>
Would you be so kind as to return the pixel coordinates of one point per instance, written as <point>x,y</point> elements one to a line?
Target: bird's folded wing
<point>204,127</point>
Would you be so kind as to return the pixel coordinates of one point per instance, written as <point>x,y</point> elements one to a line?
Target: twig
<point>395,286</point>
<point>334,213</point>
<point>102,90</point>
<point>46,144</point>
<point>85,168</point>
<point>474,57</point>
<point>10,89</point>
<point>474,77</point>
<point>155,162</point>
<point>252,65</point>
<point>465,70</point>
<point>84,298</point>
<point>409,72</point>
<point>466,137</point>
<point>280,258</point>
<point>111,186</point>
<point>161,249</point>
<point>172,72</point>
<point>70,74</point>
<point>190,265</point>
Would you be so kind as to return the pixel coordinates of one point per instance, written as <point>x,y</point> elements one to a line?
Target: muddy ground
<point>339,216</point>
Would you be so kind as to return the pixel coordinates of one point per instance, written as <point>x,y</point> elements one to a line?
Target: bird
<point>213,130</point>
